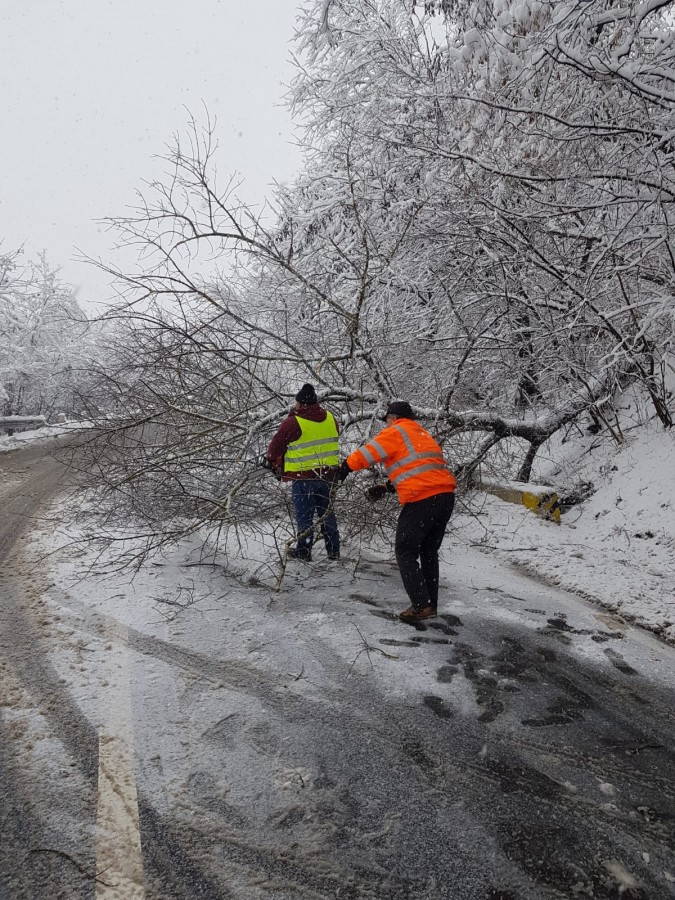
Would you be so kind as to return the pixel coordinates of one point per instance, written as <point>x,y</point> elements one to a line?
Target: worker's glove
<point>343,471</point>
<point>266,463</point>
<point>377,492</point>
<point>465,474</point>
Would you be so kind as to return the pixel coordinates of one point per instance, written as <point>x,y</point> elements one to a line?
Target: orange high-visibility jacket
<point>412,459</point>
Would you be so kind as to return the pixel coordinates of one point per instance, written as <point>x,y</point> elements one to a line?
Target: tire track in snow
<point>517,777</point>
<point>513,793</point>
<point>31,480</point>
<point>118,837</point>
<point>34,479</point>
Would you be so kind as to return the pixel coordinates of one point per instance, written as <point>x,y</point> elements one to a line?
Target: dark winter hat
<point>399,408</point>
<point>306,395</point>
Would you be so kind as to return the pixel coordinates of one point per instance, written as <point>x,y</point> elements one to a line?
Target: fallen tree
<point>478,230</point>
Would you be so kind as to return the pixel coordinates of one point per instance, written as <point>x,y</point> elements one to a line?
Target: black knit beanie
<point>306,395</point>
<point>399,408</point>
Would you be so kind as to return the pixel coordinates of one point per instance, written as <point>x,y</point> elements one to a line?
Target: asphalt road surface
<point>525,770</point>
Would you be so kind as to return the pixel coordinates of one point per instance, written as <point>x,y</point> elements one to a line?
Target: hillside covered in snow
<point>617,546</point>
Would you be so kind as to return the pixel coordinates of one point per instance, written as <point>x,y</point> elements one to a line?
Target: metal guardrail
<point>22,423</point>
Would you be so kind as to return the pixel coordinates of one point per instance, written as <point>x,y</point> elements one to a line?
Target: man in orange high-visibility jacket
<point>425,486</point>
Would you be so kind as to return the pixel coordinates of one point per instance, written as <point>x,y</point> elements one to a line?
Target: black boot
<point>300,553</point>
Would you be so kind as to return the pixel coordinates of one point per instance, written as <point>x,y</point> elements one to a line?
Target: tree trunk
<point>526,468</point>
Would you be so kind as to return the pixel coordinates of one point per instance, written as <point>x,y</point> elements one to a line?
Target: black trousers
<point>419,535</point>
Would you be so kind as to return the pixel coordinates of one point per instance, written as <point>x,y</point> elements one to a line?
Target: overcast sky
<point>91,90</point>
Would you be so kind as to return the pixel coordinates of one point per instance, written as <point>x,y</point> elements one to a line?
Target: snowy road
<point>308,745</point>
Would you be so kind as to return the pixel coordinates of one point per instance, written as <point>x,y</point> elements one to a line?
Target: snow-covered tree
<point>482,226</point>
<point>544,211</point>
<point>44,340</point>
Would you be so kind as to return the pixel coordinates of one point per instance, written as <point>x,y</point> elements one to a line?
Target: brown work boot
<point>416,615</point>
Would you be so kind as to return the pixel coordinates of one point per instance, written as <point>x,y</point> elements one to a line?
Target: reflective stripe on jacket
<point>412,460</point>
<point>316,448</point>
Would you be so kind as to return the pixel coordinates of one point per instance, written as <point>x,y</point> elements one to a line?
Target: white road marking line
<point>119,858</point>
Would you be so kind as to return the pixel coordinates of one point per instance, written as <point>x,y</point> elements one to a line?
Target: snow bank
<point>15,441</point>
<point>617,547</point>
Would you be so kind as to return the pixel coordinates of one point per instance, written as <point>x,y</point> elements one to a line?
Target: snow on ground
<point>20,439</point>
<point>190,633</point>
<point>617,548</point>
<point>203,661</point>
<point>210,689</point>
<point>232,608</point>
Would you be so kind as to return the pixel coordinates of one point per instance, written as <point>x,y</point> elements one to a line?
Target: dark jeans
<point>419,535</point>
<point>311,497</point>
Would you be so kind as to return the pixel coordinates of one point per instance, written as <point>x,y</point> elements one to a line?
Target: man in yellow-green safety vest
<point>305,451</point>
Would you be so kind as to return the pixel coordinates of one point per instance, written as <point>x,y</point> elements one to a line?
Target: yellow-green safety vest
<point>316,447</point>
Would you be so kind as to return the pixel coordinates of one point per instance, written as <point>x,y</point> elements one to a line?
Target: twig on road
<point>96,876</point>
<point>366,649</point>
<point>505,549</point>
